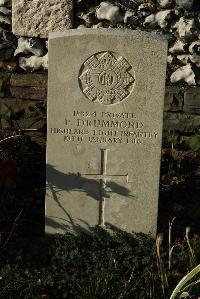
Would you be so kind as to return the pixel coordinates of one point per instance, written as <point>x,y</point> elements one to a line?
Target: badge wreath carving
<point>106,78</point>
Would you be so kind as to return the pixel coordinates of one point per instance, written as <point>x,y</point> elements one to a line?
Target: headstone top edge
<point>108,31</point>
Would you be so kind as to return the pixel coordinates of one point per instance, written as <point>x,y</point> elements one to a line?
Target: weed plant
<point>104,265</point>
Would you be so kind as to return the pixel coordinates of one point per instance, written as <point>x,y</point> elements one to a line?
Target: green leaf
<point>8,115</point>
<point>4,110</point>
<point>184,281</point>
<point>194,142</point>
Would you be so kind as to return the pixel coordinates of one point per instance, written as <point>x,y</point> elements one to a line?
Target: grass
<point>103,265</point>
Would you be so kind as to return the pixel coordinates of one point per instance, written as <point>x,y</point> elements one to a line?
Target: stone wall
<point>24,61</point>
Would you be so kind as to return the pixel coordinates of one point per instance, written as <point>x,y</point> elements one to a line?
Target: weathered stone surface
<point>38,18</point>
<point>105,114</point>
<point>29,80</point>
<point>30,93</point>
<point>181,122</point>
<point>192,101</point>
<point>173,99</point>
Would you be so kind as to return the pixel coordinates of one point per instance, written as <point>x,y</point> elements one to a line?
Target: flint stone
<point>34,63</point>
<point>186,28</point>
<point>38,18</point>
<point>107,11</point>
<point>161,18</point>
<point>105,109</point>
<point>184,74</point>
<point>29,45</point>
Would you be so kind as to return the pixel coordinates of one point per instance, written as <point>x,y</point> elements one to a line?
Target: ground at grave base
<point>104,265</point>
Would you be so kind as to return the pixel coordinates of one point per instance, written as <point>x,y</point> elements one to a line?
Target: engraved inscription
<point>106,78</point>
<point>105,128</point>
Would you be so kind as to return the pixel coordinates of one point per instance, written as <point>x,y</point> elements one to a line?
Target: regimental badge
<point>106,78</point>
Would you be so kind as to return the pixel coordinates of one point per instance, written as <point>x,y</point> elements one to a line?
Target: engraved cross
<point>103,177</point>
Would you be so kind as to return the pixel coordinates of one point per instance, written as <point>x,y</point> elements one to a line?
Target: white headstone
<point>105,115</point>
